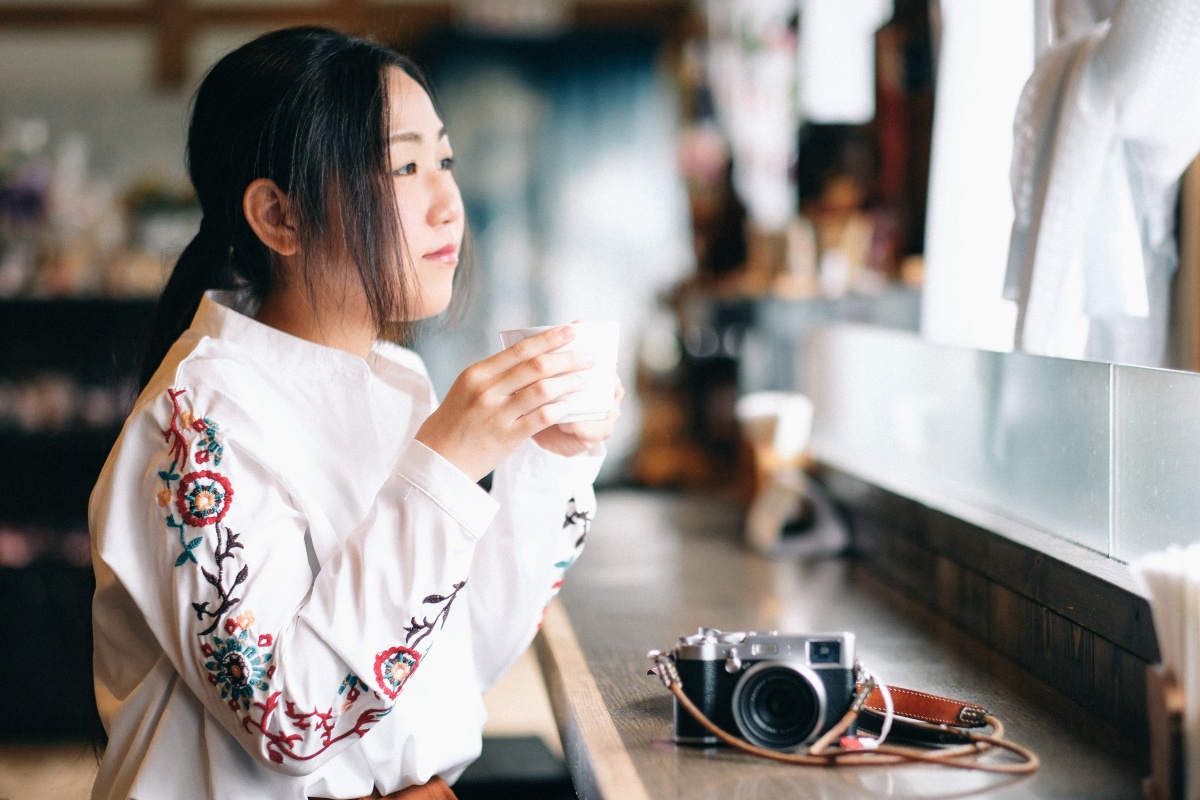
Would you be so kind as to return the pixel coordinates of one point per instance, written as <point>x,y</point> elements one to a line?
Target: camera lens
<point>779,706</point>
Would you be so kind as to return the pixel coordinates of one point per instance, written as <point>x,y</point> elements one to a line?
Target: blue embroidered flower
<point>237,667</point>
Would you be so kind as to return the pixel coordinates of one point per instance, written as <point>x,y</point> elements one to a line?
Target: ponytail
<point>203,265</point>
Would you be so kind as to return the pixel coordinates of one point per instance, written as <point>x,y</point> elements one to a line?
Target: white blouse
<point>294,597</point>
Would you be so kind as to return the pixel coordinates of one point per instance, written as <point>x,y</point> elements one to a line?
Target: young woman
<point>301,589</point>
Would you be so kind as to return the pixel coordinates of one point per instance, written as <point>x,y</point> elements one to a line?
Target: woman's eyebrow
<point>412,136</point>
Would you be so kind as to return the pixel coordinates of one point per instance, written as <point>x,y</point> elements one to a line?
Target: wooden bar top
<point>658,566</point>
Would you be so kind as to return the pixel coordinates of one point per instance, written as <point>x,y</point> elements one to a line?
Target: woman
<point>301,589</point>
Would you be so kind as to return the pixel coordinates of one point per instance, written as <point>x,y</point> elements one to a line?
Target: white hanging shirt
<point>295,598</point>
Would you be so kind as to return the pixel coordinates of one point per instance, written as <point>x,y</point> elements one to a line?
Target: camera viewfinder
<point>824,652</point>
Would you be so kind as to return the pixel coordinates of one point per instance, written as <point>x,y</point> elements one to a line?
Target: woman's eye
<point>407,169</point>
<point>448,163</point>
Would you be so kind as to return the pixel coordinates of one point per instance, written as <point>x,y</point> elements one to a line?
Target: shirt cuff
<point>448,487</point>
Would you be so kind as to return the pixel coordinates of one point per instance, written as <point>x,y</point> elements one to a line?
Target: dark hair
<point>307,108</point>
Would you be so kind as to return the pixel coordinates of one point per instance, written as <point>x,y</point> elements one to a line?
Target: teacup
<point>599,339</point>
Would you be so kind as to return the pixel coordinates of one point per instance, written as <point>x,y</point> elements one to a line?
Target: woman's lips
<point>446,255</point>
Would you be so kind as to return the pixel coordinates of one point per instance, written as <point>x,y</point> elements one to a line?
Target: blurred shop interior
<point>720,176</point>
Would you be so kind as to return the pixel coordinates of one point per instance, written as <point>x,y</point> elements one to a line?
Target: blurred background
<point>720,176</point>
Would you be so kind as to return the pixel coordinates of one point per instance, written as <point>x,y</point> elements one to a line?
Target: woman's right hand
<point>500,402</point>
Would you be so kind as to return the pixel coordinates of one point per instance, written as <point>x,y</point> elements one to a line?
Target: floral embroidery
<point>281,744</point>
<point>207,503</point>
<point>208,441</point>
<point>581,519</point>
<point>393,668</point>
<point>203,497</point>
<point>227,542</point>
<point>239,663</point>
<point>173,435</point>
<point>575,517</point>
<point>237,668</point>
<point>421,629</point>
<point>350,686</point>
<point>168,475</point>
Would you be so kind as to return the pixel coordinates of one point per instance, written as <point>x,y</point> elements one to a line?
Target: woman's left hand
<point>573,438</point>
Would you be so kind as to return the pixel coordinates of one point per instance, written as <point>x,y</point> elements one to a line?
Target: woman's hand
<point>573,438</point>
<point>500,402</point>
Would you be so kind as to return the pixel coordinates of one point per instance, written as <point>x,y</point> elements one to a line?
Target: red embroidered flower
<point>231,626</point>
<point>392,668</point>
<point>206,649</point>
<point>203,497</point>
<point>201,456</point>
<point>264,640</point>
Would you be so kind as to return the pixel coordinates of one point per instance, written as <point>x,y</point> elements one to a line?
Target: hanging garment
<point>1105,128</point>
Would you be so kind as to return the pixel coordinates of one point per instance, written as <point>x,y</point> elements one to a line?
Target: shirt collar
<point>226,316</point>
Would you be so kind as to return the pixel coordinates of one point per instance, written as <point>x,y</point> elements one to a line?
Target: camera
<point>775,690</point>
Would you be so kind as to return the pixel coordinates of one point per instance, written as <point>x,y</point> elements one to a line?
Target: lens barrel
<point>779,705</point>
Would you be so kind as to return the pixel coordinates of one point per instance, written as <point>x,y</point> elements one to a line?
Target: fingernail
<point>567,332</point>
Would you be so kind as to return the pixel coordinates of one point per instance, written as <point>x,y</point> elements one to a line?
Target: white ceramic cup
<point>598,339</point>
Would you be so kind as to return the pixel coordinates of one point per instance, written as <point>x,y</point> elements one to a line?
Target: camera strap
<point>928,707</point>
<point>963,744</point>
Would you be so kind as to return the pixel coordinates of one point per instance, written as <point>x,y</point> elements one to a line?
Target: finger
<point>541,418</point>
<point>542,367</point>
<point>522,351</point>
<point>546,390</point>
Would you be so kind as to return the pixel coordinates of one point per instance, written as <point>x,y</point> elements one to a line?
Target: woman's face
<point>427,196</point>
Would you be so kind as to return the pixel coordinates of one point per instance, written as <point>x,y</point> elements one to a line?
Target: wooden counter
<point>658,566</point>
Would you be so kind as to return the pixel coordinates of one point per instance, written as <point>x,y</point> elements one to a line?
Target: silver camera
<point>775,690</point>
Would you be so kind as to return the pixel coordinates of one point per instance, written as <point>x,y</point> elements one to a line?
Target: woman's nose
<point>446,204</point>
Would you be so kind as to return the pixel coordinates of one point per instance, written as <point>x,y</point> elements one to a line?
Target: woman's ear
<point>269,214</point>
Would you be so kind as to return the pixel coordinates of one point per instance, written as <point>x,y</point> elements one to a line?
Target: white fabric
<point>343,539</point>
<point>1105,128</point>
<point>837,59</point>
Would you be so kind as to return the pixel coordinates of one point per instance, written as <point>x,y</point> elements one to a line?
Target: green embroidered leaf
<point>185,557</point>
<point>563,564</point>
<point>194,542</point>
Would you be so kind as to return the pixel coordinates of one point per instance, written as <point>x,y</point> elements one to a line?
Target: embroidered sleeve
<point>295,666</point>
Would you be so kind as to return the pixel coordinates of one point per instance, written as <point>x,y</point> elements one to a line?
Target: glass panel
<point>1157,460</point>
<point>1046,445</point>
<point>1022,436</point>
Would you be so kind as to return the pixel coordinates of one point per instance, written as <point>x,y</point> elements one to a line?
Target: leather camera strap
<point>930,708</point>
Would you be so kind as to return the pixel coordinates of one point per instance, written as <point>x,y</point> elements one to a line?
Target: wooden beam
<point>173,38</point>
<point>73,16</point>
<point>1187,279</point>
<point>175,23</point>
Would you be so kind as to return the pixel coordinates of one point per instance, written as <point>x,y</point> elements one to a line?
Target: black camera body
<point>775,690</point>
